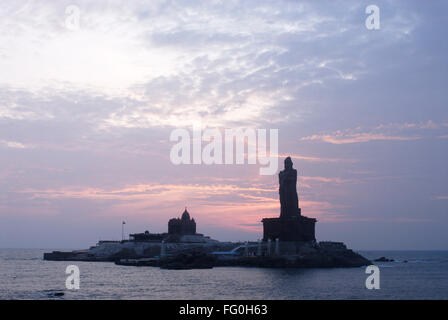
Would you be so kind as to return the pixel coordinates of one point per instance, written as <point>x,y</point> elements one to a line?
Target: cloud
<point>325,179</point>
<point>15,144</point>
<point>441,198</point>
<point>343,138</point>
<point>144,191</point>
<point>225,205</point>
<point>317,159</point>
<point>388,132</point>
<point>224,64</point>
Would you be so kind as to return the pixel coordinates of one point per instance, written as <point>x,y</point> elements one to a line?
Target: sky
<point>87,109</point>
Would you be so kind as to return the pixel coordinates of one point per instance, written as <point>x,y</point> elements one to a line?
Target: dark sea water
<point>24,275</point>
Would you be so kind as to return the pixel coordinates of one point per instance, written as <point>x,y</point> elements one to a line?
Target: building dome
<point>183,225</point>
<point>185,215</point>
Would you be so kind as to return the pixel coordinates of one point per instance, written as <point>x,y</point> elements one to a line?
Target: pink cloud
<point>317,159</point>
<point>382,132</point>
<point>441,198</point>
<point>234,207</point>
<point>344,138</point>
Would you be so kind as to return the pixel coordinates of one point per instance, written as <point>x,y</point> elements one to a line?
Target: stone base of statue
<point>296,228</point>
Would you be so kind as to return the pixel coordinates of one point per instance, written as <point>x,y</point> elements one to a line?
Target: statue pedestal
<point>298,228</point>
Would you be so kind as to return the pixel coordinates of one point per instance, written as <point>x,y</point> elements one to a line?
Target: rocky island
<point>288,242</point>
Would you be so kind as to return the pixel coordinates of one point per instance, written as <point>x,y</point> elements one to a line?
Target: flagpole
<point>122,230</point>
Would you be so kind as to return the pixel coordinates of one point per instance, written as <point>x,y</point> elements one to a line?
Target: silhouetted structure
<point>291,225</point>
<point>147,236</point>
<point>182,226</point>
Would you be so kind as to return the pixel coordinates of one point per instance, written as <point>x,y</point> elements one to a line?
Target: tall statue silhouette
<point>291,225</point>
<point>289,201</point>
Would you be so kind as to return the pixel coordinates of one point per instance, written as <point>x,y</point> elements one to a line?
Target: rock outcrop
<point>384,259</point>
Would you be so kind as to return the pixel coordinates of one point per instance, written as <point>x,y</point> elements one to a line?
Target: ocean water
<point>25,275</point>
